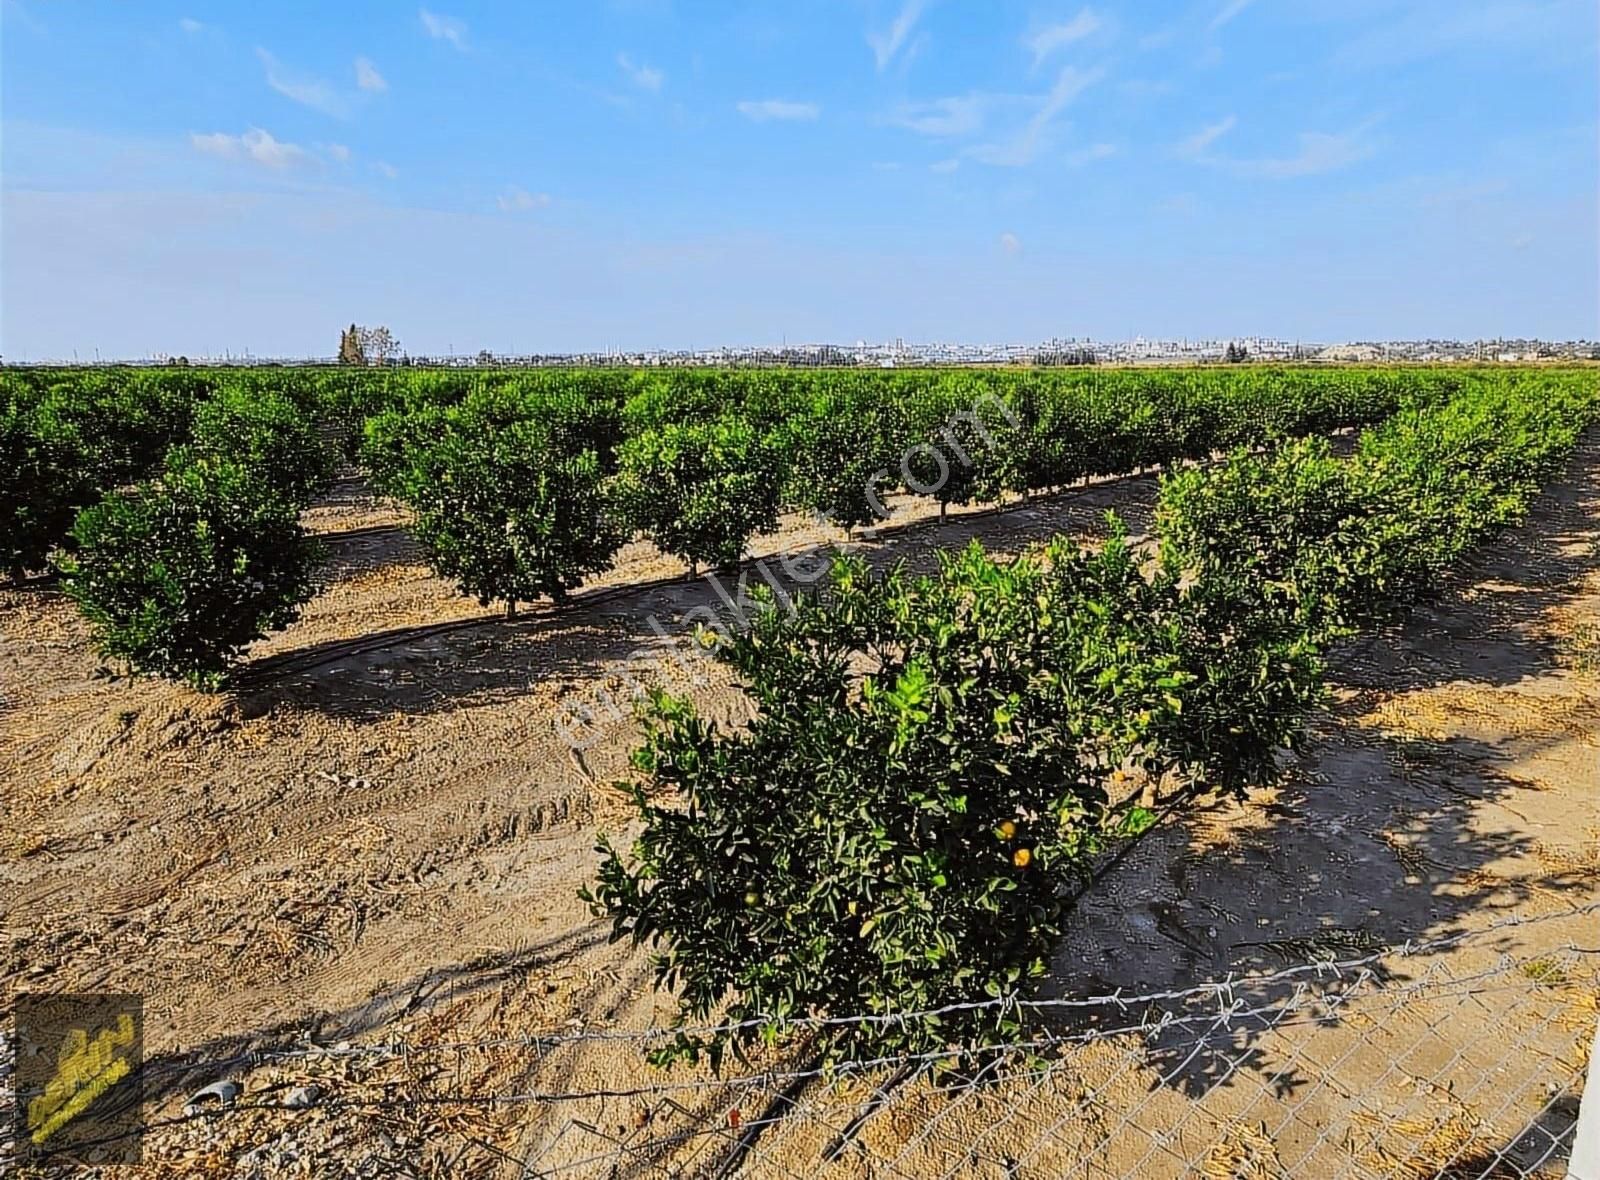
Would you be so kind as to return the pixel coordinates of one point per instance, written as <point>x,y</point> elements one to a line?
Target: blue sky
<point>193,178</point>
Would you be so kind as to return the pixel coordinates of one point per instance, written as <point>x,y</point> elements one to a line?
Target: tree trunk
<point>694,569</point>
<point>18,574</point>
<point>511,608</point>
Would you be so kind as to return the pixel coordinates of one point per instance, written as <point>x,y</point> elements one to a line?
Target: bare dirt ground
<point>387,841</point>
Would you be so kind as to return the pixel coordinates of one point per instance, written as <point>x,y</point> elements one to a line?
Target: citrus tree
<point>841,454</point>
<point>269,434</point>
<point>42,481</point>
<point>507,507</point>
<point>898,842</point>
<point>700,491</point>
<point>178,575</point>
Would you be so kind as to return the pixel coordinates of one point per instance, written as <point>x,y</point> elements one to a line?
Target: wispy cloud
<point>302,88</point>
<point>1088,155</point>
<point>643,76</point>
<point>1196,146</point>
<point>1503,28</point>
<point>888,44</point>
<point>189,25</point>
<point>1228,11</point>
<point>336,151</point>
<point>1023,147</point>
<point>1143,88</point>
<point>368,78</point>
<point>949,165</point>
<point>519,200</point>
<point>387,171</point>
<point>444,28</point>
<point>1056,37</point>
<point>1319,152</point>
<point>1030,118</point>
<point>779,110</point>
<point>1011,244</point>
<point>944,117</point>
<point>255,146</point>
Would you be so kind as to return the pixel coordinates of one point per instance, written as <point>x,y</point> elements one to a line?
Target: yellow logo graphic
<point>85,1069</point>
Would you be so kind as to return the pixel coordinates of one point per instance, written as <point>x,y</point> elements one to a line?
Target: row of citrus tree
<point>167,497</point>
<point>171,510</point>
<point>524,488</point>
<point>69,436</point>
<point>889,845</point>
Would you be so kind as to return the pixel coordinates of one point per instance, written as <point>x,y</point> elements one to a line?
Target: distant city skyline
<point>1069,350</point>
<point>638,175</point>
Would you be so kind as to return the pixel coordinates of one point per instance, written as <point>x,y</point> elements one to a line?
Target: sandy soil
<point>387,841</point>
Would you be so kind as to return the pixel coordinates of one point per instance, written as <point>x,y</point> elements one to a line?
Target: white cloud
<point>1522,241</point>
<point>387,171</point>
<point>942,117</point>
<point>368,78</point>
<point>517,200</point>
<point>1088,155</point>
<point>1141,88</point>
<point>1228,11</point>
<point>337,151</point>
<point>444,28</point>
<point>1024,146</point>
<point>1503,28</point>
<point>643,76</point>
<point>887,44</point>
<point>1011,244</point>
<point>1159,38</point>
<point>1053,37</point>
<point>189,25</point>
<point>945,165</point>
<point>1319,152</point>
<point>1196,145</point>
<point>255,145</point>
<point>777,109</point>
<point>302,88</point>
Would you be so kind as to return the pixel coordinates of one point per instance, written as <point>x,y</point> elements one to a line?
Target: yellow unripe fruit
<point>1007,830</point>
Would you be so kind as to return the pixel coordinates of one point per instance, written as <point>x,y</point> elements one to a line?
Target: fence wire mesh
<point>1463,1056</point>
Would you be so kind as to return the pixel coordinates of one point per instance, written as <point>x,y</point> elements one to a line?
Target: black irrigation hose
<point>287,663</point>
<point>1122,854</point>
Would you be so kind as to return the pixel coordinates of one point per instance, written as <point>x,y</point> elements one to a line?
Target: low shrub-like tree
<point>179,574</point>
<point>841,455</point>
<point>700,491</point>
<point>893,845</point>
<point>42,482</point>
<point>270,435</point>
<point>506,510</point>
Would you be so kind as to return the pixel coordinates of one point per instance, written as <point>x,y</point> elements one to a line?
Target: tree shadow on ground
<point>1390,827</point>
<point>443,666</point>
<point>229,1054</point>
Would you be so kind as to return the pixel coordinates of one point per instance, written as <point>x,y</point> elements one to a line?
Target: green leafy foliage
<point>42,482</point>
<point>268,434</point>
<point>700,491</point>
<point>508,503</point>
<point>888,841</point>
<point>897,842</point>
<point>180,574</point>
<point>841,452</point>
